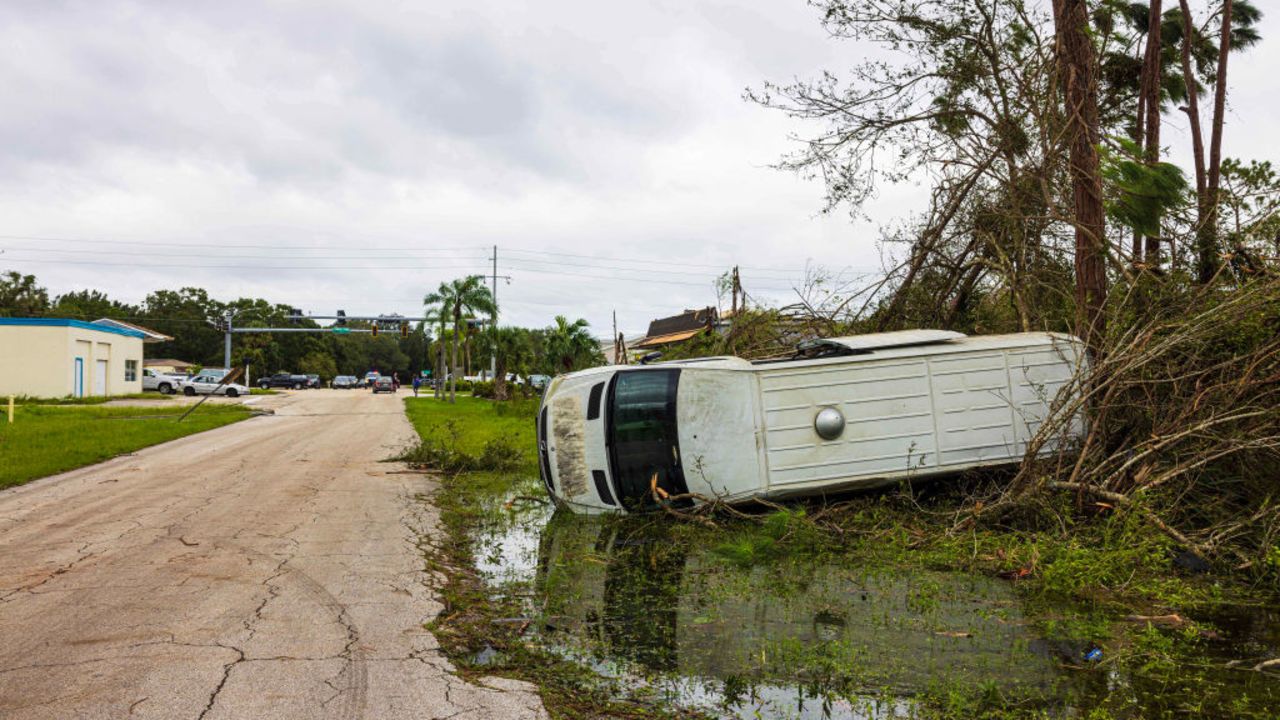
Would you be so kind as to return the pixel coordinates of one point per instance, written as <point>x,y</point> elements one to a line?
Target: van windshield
<point>642,435</point>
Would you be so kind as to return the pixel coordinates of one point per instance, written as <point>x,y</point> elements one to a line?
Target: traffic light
<point>404,330</point>
<point>342,318</point>
<point>374,329</point>
<point>295,315</point>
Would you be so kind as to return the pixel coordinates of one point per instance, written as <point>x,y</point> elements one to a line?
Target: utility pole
<point>737,290</point>
<point>493,329</point>
<point>494,278</point>
<point>226,341</point>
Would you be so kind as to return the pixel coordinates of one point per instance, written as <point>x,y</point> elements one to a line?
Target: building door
<point>77,378</point>
<point>100,377</point>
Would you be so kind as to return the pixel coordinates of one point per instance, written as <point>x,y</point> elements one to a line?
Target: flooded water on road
<point>806,637</point>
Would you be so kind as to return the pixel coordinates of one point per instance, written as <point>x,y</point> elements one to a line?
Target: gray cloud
<point>601,129</point>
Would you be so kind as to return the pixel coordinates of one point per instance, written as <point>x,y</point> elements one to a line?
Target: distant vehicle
<point>383,383</point>
<point>203,384</point>
<point>163,383</point>
<point>283,380</point>
<point>539,382</point>
<point>369,377</point>
<point>345,382</point>
<point>313,381</point>
<point>844,413</point>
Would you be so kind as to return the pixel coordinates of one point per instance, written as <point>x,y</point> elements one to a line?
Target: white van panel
<point>966,407</point>
<point>886,408</point>
<point>719,444</point>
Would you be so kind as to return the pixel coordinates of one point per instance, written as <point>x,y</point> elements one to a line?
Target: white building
<point>58,357</point>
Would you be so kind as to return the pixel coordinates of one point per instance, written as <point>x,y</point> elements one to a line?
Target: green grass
<point>44,440</point>
<point>472,434</point>
<point>262,391</point>
<point>87,400</point>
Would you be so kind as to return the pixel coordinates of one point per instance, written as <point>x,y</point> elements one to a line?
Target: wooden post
<point>10,408</point>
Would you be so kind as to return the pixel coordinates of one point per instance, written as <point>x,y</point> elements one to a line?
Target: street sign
<point>341,331</point>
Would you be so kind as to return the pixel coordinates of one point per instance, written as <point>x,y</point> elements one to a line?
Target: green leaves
<point>1138,193</point>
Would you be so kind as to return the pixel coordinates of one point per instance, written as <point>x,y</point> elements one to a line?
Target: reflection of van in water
<point>845,413</point>
<point>633,598</point>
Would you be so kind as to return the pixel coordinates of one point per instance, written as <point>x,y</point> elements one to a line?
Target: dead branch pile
<point>1183,423</point>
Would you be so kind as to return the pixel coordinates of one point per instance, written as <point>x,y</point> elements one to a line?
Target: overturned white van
<point>844,413</point>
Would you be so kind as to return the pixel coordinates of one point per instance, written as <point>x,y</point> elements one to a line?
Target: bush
<point>481,389</point>
<point>441,451</point>
<point>1183,425</point>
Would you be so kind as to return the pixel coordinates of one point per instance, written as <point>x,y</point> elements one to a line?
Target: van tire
<point>232,392</point>
<point>165,388</point>
<point>297,386</point>
<point>189,391</point>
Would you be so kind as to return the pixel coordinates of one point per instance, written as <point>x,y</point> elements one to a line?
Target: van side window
<point>593,402</point>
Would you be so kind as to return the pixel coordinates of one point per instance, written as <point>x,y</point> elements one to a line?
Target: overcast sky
<point>355,154</point>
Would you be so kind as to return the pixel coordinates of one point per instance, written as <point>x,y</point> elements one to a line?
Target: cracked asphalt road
<point>268,569</point>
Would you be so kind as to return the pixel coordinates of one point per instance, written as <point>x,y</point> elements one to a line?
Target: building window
<point>130,370</point>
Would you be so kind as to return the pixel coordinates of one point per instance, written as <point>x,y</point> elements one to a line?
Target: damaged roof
<point>680,327</point>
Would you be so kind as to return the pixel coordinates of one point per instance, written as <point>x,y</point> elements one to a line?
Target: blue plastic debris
<point>1093,654</point>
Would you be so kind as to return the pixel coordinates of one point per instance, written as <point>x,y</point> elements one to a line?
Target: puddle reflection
<point>791,637</point>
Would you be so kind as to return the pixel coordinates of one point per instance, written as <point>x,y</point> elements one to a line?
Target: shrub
<point>441,451</point>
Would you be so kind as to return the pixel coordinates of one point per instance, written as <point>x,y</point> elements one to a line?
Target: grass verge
<point>87,400</point>
<point>45,440</point>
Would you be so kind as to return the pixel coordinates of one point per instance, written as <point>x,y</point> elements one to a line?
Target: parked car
<point>163,383</point>
<point>369,377</point>
<point>345,382</point>
<point>283,380</point>
<point>203,384</point>
<point>313,381</point>
<point>383,383</point>
<point>842,414</point>
<point>539,382</point>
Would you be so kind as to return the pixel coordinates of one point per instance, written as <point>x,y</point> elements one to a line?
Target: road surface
<point>268,569</point>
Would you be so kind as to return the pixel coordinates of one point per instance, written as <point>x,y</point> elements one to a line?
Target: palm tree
<point>438,319</point>
<point>460,299</point>
<point>570,345</point>
<point>512,350</point>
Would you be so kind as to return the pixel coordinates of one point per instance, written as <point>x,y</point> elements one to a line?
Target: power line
<point>482,250</point>
<point>202,265</point>
<point>719,266</point>
<point>631,279</point>
<point>359,268</point>
<point>150,253</point>
<point>264,246</point>
<point>558,263</point>
<point>562,263</point>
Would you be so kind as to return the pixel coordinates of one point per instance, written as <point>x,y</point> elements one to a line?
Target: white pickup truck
<point>844,413</point>
<point>160,382</point>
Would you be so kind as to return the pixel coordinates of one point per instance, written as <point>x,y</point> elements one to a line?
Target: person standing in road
<point>417,383</point>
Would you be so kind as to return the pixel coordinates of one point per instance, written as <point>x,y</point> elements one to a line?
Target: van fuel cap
<point>828,423</point>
